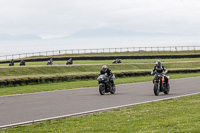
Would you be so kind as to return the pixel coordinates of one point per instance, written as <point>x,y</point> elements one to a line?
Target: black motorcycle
<point>49,62</point>
<point>117,61</point>
<point>22,63</point>
<point>11,64</point>
<point>69,62</point>
<point>105,86</point>
<point>160,84</point>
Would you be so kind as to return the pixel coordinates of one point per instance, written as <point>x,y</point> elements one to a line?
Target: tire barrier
<point>111,58</point>
<point>41,80</point>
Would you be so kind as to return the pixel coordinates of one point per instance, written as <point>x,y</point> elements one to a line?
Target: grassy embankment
<point>108,61</point>
<point>174,115</point>
<point>10,73</point>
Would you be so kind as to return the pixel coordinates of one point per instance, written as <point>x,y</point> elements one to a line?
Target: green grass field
<point>173,115</point>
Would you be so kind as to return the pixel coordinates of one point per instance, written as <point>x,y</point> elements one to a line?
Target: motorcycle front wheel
<point>102,89</point>
<point>113,89</point>
<point>156,89</point>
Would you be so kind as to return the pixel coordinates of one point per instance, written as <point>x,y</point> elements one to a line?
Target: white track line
<point>93,111</point>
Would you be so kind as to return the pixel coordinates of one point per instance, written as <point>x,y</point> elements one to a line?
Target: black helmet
<point>158,64</point>
<point>104,68</point>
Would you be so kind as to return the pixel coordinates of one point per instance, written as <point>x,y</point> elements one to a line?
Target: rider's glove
<point>163,73</point>
<point>151,72</point>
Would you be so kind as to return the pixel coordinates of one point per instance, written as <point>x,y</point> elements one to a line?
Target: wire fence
<point>99,50</point>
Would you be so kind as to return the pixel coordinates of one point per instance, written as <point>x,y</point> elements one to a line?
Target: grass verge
<point>7,73</point>
<point>174,115</point>
<point>108,61</point>
<point>80,84</point>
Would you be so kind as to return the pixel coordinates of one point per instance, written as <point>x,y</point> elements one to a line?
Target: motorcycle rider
<point>51,61</point>
<point>12,62</point>
<point>70,61</point>
<point>160,69</point>
<point>22,61</point>
<point>106,70</point>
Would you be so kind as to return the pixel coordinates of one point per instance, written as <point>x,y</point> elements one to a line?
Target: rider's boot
<point>113,85</point>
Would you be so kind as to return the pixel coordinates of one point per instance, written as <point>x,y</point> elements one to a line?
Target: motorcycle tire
<point>112,91</point>
<point>156,89</point>
<point>167,89</point>
<point>102,89</point>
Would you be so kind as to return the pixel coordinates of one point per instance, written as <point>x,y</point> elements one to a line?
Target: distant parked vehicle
<point>22,63</point>
<point>117,61</point>
<point>50,62</point>
<point>11,63</point>
<point>69,62</point>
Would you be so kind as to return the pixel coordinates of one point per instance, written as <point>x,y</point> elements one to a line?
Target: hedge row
<point>28,81</point>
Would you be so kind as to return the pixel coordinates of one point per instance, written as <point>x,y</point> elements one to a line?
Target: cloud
<point>65,17</point>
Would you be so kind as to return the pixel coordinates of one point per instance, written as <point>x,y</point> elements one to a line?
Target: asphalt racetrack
<point>27,108</point>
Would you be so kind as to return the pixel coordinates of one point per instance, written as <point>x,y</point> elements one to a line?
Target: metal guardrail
<point>99,50</point>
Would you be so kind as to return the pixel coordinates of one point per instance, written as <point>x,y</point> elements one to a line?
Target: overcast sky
<point>54,18</point>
